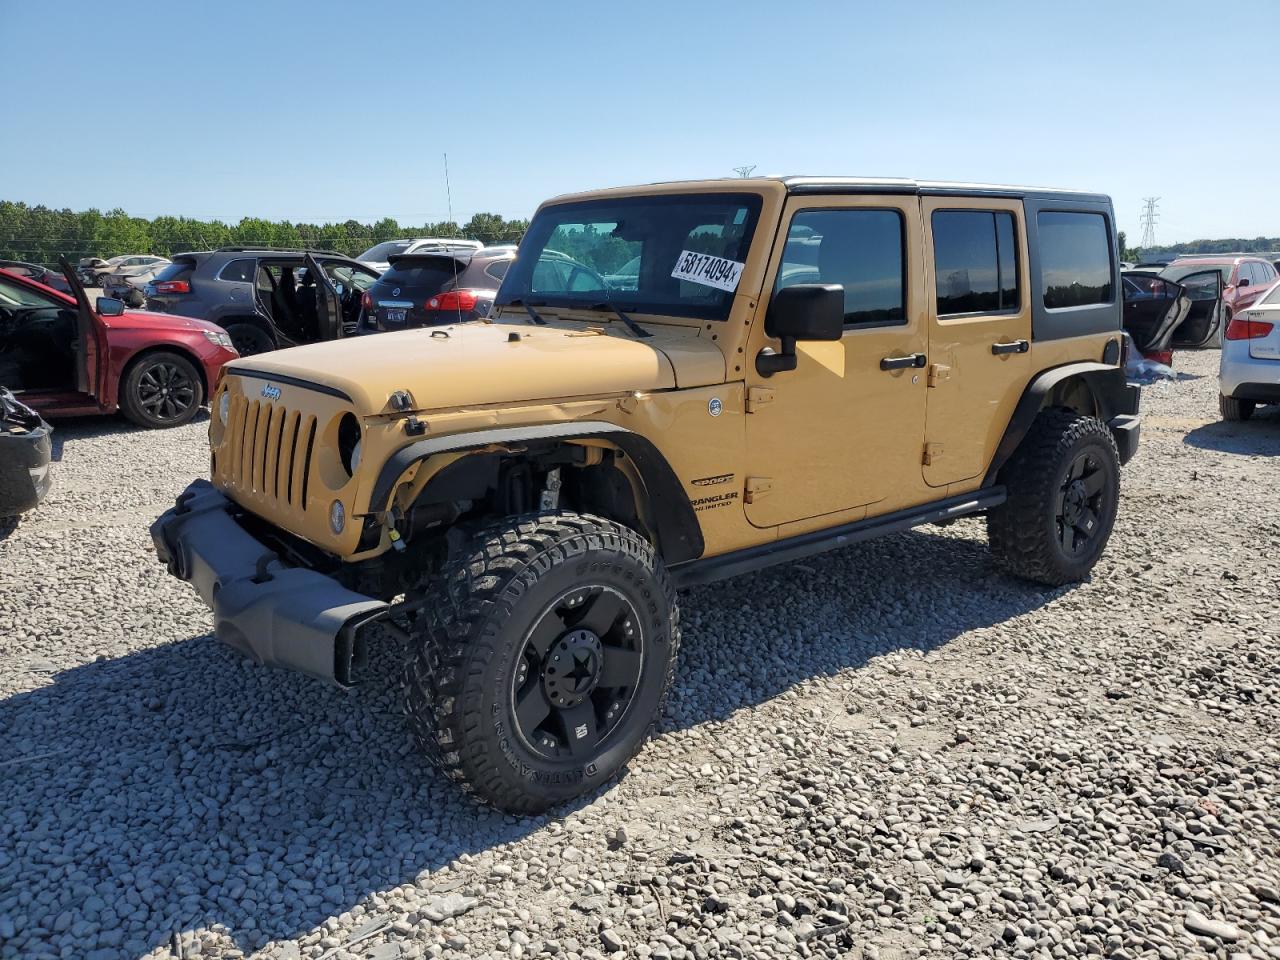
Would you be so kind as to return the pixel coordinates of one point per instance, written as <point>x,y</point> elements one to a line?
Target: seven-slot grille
<point>268,450</point>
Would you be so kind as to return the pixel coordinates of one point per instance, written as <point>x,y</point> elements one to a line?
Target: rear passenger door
<point>979,331</point>
<point>1204,318</point>
<point>328,303</point>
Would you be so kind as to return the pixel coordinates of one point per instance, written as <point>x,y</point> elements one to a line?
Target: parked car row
<point>1189,304</point>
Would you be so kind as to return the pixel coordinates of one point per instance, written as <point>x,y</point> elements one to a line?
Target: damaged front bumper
<point>279,615</point>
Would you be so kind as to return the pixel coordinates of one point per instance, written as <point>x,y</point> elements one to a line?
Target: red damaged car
<point>63,357</point>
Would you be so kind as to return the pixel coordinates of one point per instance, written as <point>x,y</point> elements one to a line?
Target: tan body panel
<point>838,432</point>
<point>973,391</point>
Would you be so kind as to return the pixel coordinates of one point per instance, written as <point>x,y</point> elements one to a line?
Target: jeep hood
<point>474,364</point>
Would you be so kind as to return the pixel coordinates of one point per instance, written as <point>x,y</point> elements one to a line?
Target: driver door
<point>90,342</point>
<point>328,302</point>
<point>845,429</point>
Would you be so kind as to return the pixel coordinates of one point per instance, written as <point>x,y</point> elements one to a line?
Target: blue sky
<point>333,110</point>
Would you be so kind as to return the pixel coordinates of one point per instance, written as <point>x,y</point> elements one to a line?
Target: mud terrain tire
<point>1063,486</point>
<point>543,660</point>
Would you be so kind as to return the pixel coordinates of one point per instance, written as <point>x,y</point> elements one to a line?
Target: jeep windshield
<point>677,255</point>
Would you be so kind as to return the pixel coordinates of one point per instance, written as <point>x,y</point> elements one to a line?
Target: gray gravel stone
<point>852,761</point>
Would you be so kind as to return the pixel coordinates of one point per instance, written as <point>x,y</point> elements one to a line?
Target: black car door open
<point>1153,309</point>
<point>328,303</point>
<point>1204,318</point>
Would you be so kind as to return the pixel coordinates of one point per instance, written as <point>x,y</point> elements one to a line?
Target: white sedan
<point>1250,368</point>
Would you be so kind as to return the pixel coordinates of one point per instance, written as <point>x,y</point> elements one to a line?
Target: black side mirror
<point>110,307</point>
<point>806,311</point>
<point>1242,282</point>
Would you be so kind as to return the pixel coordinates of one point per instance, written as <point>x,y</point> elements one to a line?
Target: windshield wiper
<point>634,327</point>
<point>528,308</point>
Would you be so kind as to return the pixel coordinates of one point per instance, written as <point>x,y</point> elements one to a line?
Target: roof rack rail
<point>270,249</point>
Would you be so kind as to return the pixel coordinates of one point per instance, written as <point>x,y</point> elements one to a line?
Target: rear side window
<point>240,271</point>
<point>498,269</point>
<point>862,250</point>
<point>1075,259</point>
<point>975,261</point>
<point>178,270</point>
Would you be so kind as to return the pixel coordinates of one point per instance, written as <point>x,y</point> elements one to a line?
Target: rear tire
<point>248,339</point>
<point>1063,486</point>
<point>161,389</point>
<point>544,659</point>
<point>1233,409</point>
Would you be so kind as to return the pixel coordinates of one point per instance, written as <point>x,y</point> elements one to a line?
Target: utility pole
<point>1150,216</point>
<point>744,171</point>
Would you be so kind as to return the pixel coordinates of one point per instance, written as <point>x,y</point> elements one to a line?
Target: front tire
<point>1063,486</point>
<point>1235,410</point>
<point>544,659</point>
<point>161,389</point>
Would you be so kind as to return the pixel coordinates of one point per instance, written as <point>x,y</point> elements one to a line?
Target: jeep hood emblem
<point>270,392</point>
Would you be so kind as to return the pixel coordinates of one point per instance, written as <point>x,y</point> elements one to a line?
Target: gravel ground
<point>852,764</point>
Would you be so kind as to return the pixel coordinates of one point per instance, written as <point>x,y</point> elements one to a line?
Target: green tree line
<point>39,234</point>
<point>1228,245</point>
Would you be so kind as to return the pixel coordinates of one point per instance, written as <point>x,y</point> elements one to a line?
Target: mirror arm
<point>769,363</point>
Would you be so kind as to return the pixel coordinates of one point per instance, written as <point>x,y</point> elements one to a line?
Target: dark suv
<point>265,299</point>
<point>428,289</point>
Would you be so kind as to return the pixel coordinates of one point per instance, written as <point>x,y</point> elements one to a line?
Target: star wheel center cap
<point>573,668</point>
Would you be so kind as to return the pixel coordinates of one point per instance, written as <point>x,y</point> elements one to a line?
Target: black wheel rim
<point>166,391</point>
<point>1079,506</point>
<point>577,673</point>
<point>246,344</point>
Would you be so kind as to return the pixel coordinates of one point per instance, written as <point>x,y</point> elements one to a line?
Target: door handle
<point>1017,346</point>
<point>900,363</point>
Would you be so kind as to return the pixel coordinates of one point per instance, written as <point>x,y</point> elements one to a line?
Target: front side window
<point>17,296</point>
<point>572,250</point>
<point>862,250</point>
<point>1075,259</point>
<point>975,261</point>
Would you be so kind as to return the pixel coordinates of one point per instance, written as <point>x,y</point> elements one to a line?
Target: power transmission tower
<point>1150,217</point>
<point>744,171</point>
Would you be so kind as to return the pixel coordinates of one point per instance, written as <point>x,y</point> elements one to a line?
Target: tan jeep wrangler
<point>680,382</point>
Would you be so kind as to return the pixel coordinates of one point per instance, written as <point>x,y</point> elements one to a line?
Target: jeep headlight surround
<point>224,407</point>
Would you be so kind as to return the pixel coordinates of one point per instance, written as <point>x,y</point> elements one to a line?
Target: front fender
<point>679,534</point>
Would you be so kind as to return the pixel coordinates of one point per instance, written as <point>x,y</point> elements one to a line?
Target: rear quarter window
<point>1075,259</point>
<point>239,271</point>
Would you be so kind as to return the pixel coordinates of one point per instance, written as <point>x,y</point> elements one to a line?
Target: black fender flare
<point>1113,397</point>
<point>678,530</point>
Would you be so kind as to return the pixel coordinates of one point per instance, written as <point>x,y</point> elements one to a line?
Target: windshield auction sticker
<point>708,270</point>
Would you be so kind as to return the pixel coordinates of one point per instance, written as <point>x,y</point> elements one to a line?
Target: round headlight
<point>224,408</point>
<point>355,456</point>
<point>337,516</point>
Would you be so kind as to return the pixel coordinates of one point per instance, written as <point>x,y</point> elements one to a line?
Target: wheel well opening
<point>1073,393</point>
<point>182,352</point>
<point>480,487</point>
